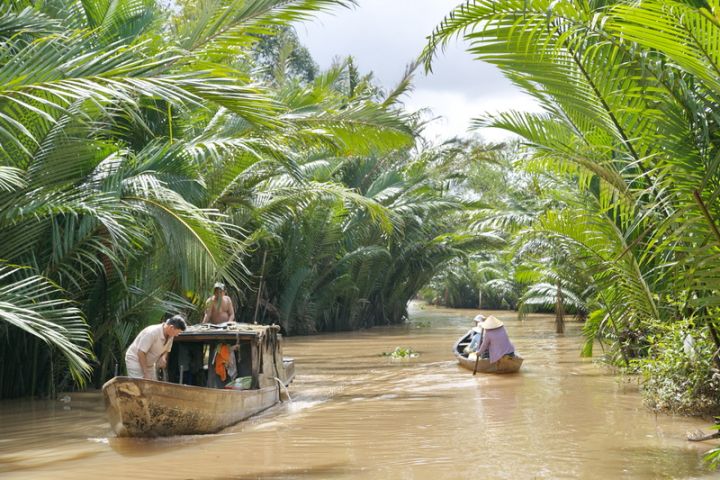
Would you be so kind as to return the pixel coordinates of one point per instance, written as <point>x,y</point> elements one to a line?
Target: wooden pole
<point>559,310</point>
<point>259,292</point>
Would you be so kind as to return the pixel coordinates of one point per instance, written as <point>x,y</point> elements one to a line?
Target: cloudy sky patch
<point>386,35</point>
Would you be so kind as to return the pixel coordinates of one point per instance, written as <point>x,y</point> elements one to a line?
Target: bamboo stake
<point>262,276</point>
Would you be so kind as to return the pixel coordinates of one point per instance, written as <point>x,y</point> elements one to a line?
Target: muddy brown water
<point>356,414</point>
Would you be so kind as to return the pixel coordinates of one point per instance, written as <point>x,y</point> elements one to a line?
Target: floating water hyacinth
<point>421,324</point>
<point>401,352</point>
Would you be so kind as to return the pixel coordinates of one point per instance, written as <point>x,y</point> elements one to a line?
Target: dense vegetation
<point>148,151</point>
<point>625,162</point>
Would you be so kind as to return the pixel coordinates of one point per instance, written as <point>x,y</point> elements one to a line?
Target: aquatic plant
<point>401,352</point>
<point>421,324</point>
<point>713,456</point>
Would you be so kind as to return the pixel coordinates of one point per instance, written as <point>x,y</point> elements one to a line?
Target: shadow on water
<point>329,470</point>
<point>148,447</point>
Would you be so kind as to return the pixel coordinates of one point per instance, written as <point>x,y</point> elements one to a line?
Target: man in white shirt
<point>149,350</point>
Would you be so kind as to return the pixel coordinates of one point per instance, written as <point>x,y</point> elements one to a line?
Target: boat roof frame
<point>224,332</point>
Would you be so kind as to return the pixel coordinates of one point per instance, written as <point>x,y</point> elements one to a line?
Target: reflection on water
<point>357,414</point>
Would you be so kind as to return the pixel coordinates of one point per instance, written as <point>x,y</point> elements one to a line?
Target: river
<point>356,414</point>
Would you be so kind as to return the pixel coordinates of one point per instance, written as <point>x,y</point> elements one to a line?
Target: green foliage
<point>481,175</point>
<point>141,160</point>
<point>454,286</point>
<point>624,158</point>
<point>713,456</point>
<point>43,327</point>
<point>401,353</point>
<point>678,373</point>
<point>353,258</point>
<point>281,58</point>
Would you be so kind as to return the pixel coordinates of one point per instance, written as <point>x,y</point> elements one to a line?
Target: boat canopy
<point>213,356</point>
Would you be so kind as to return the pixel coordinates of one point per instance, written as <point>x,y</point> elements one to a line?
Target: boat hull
<point>149,408</point>
<point>504,365</point>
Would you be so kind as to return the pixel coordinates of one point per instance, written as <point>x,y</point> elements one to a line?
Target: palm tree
<point>356,252</point>
<point>111,147</point>
<point>629,90</point>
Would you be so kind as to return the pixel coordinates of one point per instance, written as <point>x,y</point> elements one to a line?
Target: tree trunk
<point>716,340</point>
<point>559,311</point>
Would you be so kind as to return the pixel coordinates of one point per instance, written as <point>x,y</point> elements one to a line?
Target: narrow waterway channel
<point>356,414</point>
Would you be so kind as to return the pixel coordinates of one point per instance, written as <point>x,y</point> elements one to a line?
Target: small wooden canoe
<point>505,365</point>
<point>195,400</point>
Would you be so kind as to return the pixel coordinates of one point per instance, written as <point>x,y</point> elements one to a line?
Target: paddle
<point>477,360</point>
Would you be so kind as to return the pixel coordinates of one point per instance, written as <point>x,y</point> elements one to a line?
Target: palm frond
<point>11,178</point>
<point>32,304</point>
<point>27,21</point>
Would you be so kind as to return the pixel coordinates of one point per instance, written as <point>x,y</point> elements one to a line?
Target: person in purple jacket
<point>495,340</point>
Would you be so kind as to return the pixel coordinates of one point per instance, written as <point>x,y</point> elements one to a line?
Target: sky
<point>384,36</point>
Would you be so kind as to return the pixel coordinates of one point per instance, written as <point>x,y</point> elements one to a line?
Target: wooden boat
<point>504,365</point>
<point>194,400</point>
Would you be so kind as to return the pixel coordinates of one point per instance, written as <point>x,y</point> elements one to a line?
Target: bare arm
<point>142,360</point>
<point>162,361</point>
<point>231,311</point>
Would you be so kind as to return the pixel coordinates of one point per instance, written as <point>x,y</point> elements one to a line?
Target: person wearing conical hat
<point>495,340</point>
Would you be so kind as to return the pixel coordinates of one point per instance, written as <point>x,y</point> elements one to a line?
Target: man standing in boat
<point>219,308</point>
<point>149,350</point>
